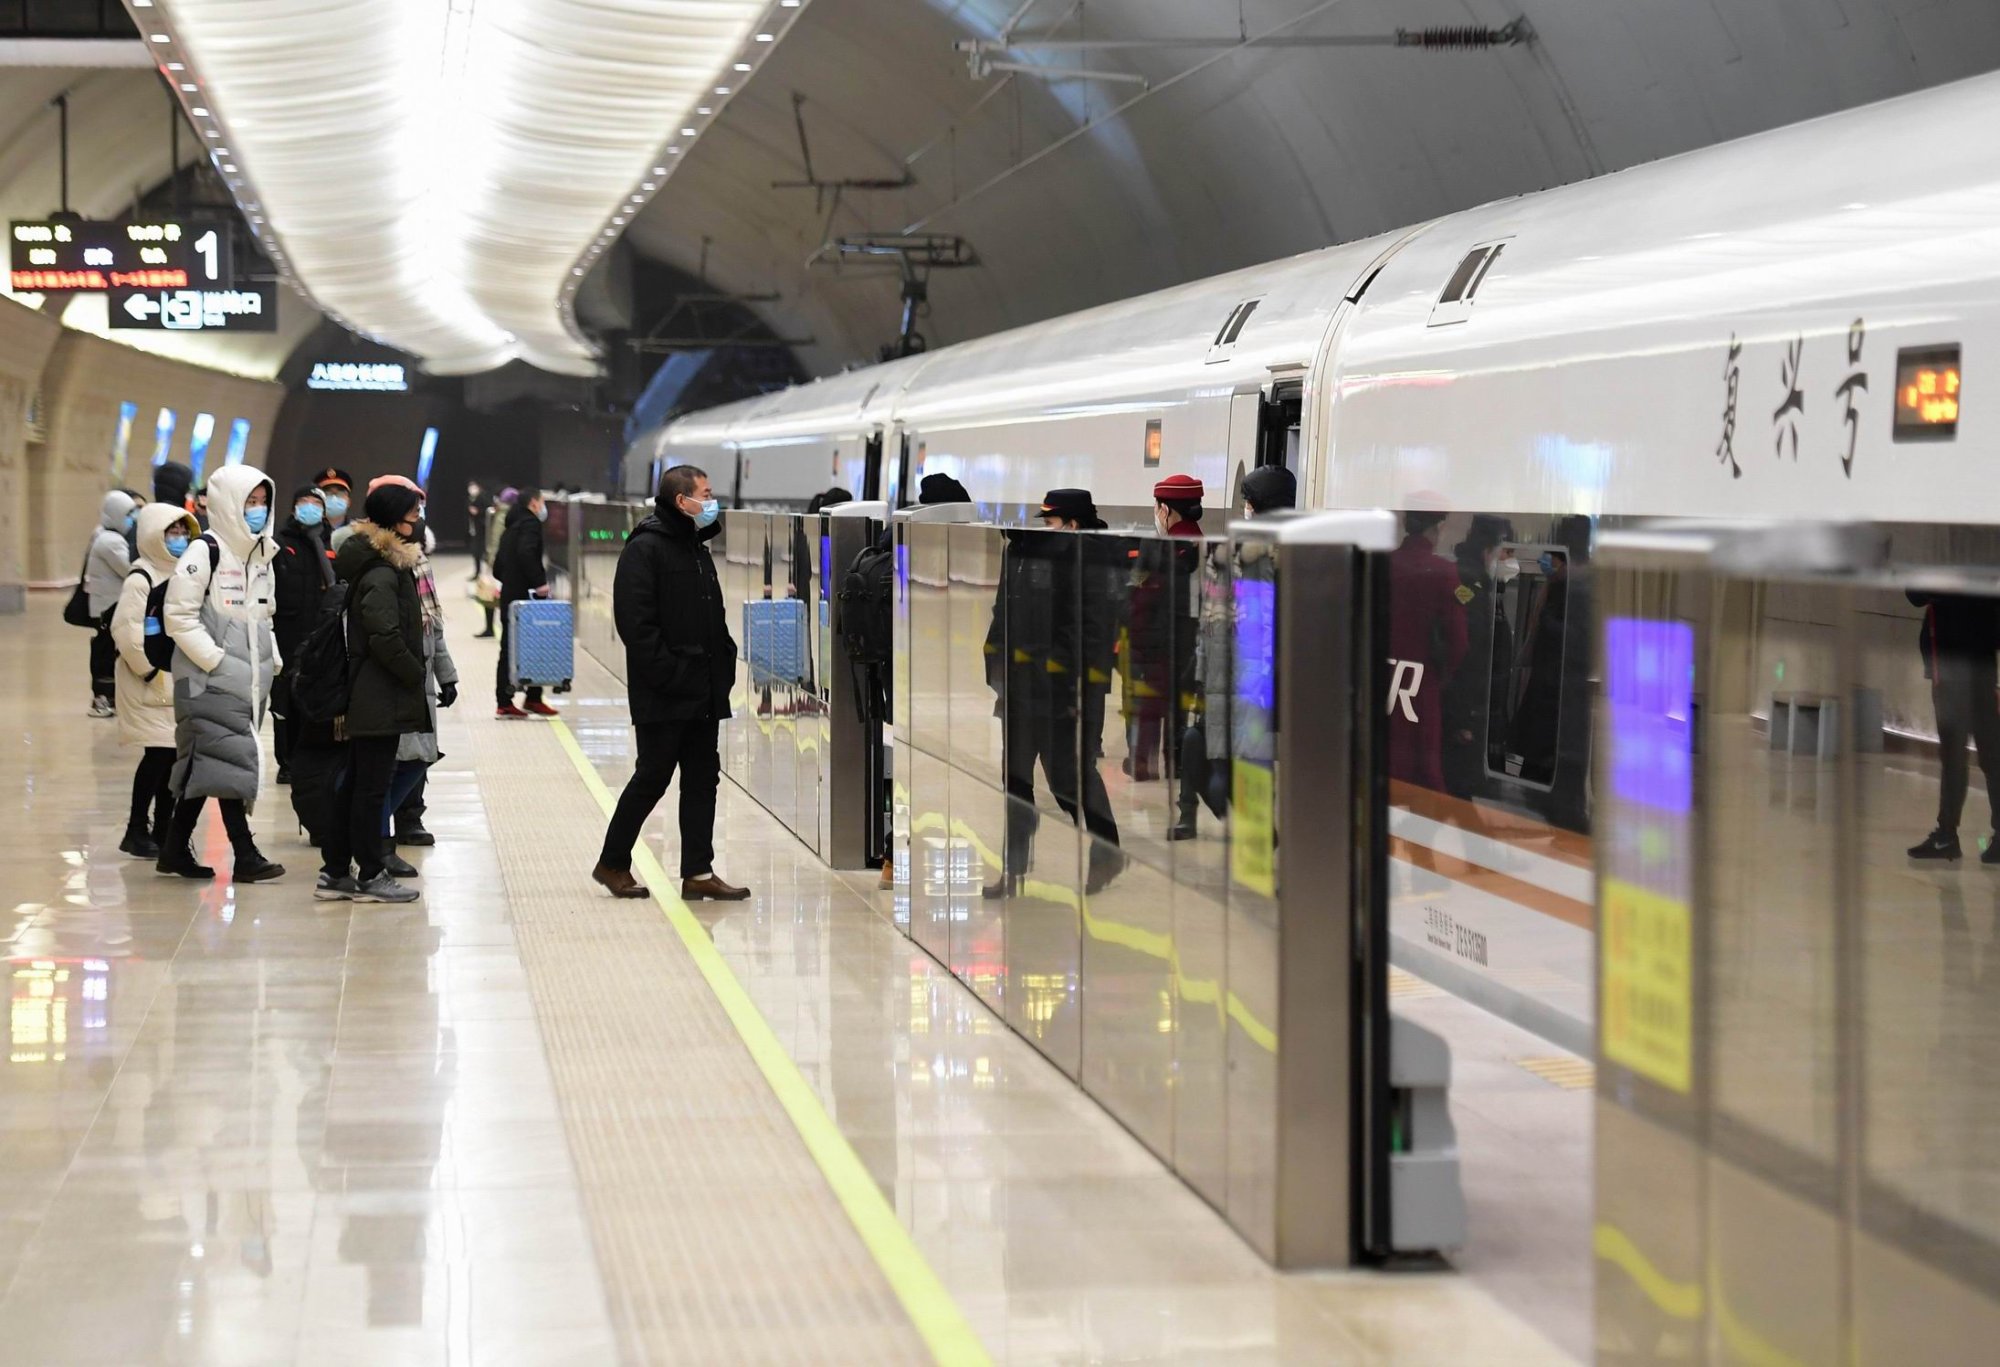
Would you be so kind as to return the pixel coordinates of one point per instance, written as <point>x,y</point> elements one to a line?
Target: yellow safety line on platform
<point>931,1308</point>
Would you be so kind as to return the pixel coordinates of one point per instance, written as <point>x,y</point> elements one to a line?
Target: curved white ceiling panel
<point>436,173</point>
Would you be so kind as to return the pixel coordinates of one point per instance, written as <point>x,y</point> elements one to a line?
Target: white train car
<point>1772,328</point>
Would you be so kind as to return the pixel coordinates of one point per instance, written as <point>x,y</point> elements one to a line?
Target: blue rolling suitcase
<point>541,644</point>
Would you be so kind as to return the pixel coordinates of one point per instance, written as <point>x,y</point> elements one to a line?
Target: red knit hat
<point>1178,489</point>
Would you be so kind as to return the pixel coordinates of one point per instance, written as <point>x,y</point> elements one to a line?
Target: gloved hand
<point>447,694</point>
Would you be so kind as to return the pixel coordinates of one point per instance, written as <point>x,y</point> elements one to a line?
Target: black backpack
<point>159,645</point>
<point>322,681</point>
<point>867,606</point>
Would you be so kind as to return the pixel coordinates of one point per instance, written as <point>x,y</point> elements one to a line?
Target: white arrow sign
<point>142,306</point>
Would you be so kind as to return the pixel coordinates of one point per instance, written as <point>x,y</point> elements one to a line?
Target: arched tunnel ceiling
<point>119,150</point>
<point>1230,158</point>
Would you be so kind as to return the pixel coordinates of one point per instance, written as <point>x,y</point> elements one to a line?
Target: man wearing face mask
<point>1485,566</point>
<point>336,487</point>
<point>679,664</point>
<point>305,573</point>
<point>519,567</point>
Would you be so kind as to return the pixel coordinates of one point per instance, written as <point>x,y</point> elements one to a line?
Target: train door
<point>898,472</point>
<point>1264,430</point>
<point>871,468</point>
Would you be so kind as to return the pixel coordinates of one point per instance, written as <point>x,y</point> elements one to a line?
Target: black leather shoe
<point>1937,845</point>
<point>1007,885</point>
<point>253,867</point>
<point>1991,854</point>
<point>139,845</point>
<point>396,866</point>
<point>181,864</point>
<point>1182,829</point>
<point>284,776</point>
<point>412,832</point>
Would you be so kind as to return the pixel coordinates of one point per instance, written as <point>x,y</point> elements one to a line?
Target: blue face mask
<point>336,506</point>
<point>710,510</point>
<point>1548,563</point>
<point>542,513</point>
<point>130,522</point>
<point>255,518</point>
<point>309,514</point>
<point>177,545</point>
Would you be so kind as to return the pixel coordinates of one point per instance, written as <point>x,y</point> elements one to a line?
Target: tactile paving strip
<point>717,1236</point>
<point>1570,1074</point>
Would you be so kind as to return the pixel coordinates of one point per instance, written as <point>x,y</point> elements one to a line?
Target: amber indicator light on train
<point>1927,397</point>
<point>1152,443</point>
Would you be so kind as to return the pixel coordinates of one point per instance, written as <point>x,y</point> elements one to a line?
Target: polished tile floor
<point>237,1126</point>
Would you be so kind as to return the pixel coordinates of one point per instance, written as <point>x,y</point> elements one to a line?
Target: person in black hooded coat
<point>680,662</point>
<point>303,568</point>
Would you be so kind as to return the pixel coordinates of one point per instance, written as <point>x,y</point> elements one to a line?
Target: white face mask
<point>1506,570</point>
<point>1162,519</point>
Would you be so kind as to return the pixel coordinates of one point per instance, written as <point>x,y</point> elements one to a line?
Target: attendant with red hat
<point>1160,672</point>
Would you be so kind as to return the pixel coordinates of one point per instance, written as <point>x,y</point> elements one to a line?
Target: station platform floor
<point>520,1122</point>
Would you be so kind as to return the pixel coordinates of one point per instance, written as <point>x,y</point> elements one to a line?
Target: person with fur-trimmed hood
<point>219,606</point>
<point>387,698</point>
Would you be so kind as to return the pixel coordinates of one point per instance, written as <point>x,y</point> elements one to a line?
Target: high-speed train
<point>1784,326</point>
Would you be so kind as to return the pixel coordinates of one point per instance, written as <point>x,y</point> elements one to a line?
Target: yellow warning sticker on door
<point>1646,976</point>
<point>1253,833</point>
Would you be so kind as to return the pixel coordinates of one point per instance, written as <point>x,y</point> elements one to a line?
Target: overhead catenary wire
<point>1454,38</point>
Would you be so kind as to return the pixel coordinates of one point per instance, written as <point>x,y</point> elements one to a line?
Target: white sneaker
<point>101,707</point>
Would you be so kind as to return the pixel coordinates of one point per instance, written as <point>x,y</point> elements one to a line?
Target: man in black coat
<point>679,665</point>
<point>303,567</point>
<point>518,565</point>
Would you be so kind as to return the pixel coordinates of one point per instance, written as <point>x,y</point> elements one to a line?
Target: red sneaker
<point>542,709</point>
<point>508,710</point>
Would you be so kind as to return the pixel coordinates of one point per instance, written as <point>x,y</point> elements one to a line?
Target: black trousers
<point>187,814</point>
<point>1069,747</point>
<point>1201,779</point>
<point>1962,692</point>
<point>503,686</point>
<point>354,829</point>
<point>691,747</point>
<point>103,661</point>
<point>152,791</point>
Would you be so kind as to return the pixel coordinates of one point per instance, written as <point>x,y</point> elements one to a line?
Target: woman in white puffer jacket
<point>145,695</point>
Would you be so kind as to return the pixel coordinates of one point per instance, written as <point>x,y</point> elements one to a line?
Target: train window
<point>1454,305</point>
<point>1461,279</point>
<point>1234,329</point>
<point>1231,329</point>
<point>1152,443</point>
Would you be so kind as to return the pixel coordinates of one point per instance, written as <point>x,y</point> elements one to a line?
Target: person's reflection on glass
<point>1426,647</point>
<point>1162,635</point>
<point>1958,641</point>
<point>1204,777</point>
<point>1020,646</point>
<point>1082,661</point>
<point>1485,564</point>
<point>1538,705</point>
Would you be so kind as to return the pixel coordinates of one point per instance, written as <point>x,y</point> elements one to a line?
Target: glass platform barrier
<point>1797,1127</point>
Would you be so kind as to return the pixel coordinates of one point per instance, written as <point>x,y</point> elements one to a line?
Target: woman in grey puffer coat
<point>104,571</point>
<point>218,610</point>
